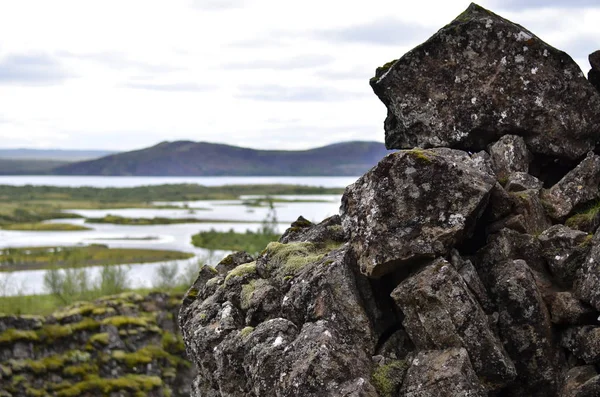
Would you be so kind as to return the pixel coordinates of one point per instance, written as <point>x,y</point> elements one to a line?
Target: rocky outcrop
<point>594,73</point>
<point>472,272</point>
<point>481,77</point>
<point>124,345</point>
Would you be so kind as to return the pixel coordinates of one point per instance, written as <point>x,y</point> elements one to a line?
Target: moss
<point>586,241</point>
<point>13,335</point>
<point>192,293</point>
<point>74,310</point>
<point>246,331</point>
<point>294,256</point>
<point>49,363</point>
<point>81,370</point>
<point>335,228</point>
<point>123,321</point>
<point>146,355</point>
<point>172,343</point>
<point>101,338</point>
<point>99,311</point>
<point>241,270</point>
<point>53,332</point>
<point>385,377</point>
<point>29,391</point>
<point>18,379</point>
<point>248,290</point>
<point>420,155</point>
<point>105,386</point>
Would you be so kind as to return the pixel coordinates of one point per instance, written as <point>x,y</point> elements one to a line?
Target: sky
<point>127,74</point>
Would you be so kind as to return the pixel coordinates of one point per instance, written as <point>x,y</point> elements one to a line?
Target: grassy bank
<point>32,258</point>
<point>121,220</point>
<point>251,242</point>
<point>44,227</point>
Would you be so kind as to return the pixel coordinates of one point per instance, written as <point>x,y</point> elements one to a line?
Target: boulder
<point>509,155</point>
<point>414,205</point>
<point>440,312</point>
<point>587,277</point>
<point>578,187</point>
<point>525,329</point>
<point>566,309</point>
<point>565,251</point>
<point>481,77</point>
<point>584,342</point>
<point>442,373</point>
<point>581,381</point>
<point>594,73</point>
<point>232,261</point>
<point>520,181</point>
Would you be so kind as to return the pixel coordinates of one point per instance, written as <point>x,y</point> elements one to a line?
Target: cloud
<point>217,5</point>
<point>179,87</point>
<point>520,5</point>
<point>292,63</point>
<point>278,93</point>
<point>352,74</point>
<point>386,31</point>
<point>582,46</point>
<point>31,69</point>
<point>118,61</point>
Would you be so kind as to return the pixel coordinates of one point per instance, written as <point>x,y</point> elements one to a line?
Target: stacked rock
<point>464,264</point>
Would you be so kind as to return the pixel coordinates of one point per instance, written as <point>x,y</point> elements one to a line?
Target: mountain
<point>186,158</point>
<point>53,154</point>
<point>28,167</point>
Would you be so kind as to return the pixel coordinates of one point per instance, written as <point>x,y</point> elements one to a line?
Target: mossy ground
<point>45,227</point>
<point>60,369</point>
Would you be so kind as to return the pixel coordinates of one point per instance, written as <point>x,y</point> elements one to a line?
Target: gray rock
<point>441,373</point>
<point>581,382</point>
<point>587,278</point>
<point>440,312</point>
<point>566,309</point>
<point>525,329</point>
<point>481,77</point>
<point>469,274</point>
<point>584,342</point>
<point>509,155</point>
<point>414,204</point>
<point>594,78</point>
<point>594,59</point>
<point>519,181</point>
<point>232,261</point>
<point>529,208</point>
<point>301,230</point>
<point>578,187</point>
<point>293,323</point>
<point>565,251</point>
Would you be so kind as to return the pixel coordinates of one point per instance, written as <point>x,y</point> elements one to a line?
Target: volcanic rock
<point>481,77</point>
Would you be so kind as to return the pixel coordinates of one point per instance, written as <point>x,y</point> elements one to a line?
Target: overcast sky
<point>127,74</point>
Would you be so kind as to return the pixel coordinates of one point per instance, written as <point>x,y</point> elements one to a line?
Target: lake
<point>175,236</point>
<point>131,181</point>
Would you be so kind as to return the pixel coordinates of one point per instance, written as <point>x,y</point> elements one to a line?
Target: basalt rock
<point>481,77</point>
<point>447,272</point>
<point>594,73</point>
<point>396,214</point>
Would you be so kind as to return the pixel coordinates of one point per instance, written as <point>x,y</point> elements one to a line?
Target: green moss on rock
<point>13,335</point>
<point>386,378</point>
<point>241,270</point>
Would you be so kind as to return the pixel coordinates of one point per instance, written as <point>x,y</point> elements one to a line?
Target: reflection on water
<point>168,237</point>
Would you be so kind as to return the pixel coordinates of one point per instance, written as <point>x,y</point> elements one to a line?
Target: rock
<point>414,204</point>
<point>301,230</point>
<point>481,77</point>
<point>566,309</point>
<point>594,78</point>
<point>578,187</point>
<point>581,382</point>
<point>525,329</point>
<point>509,155</point>
<point>586,221</point>
<point>529,208</point>
<point>565,250</point>
<point>469,274</point>
<point>587,277</point>
<point>520,181</point>
<point>584,342</point>
<point>440,312</point>
<point>293,323</point>
<point>594,59</point>
<point>232,261</point>
<point>442,373</point>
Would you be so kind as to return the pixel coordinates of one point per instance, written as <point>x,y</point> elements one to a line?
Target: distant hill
<point>28,167</point>
<point>53,154</point>
<point>186,158</point>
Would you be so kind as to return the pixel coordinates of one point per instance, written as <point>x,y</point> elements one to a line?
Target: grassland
<point>45,227</point>
<point>251,242</point>
<point>32,258</point>
<point>121,220</point>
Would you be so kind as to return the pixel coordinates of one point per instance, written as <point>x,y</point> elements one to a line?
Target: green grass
<point>45,227</point>
<point>30,258</point>
<point>251,242</point>
<point>121,220</point>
